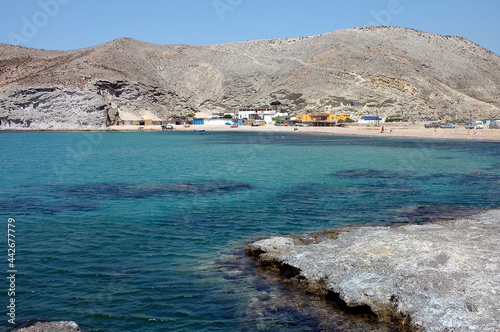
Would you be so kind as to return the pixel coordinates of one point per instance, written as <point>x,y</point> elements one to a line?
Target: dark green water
<point>143,231</point>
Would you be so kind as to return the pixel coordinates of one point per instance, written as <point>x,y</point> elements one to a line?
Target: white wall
<point>217,122</point>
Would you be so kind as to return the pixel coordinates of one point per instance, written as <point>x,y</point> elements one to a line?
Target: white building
<point>259,114</point>
<point>204,118</point>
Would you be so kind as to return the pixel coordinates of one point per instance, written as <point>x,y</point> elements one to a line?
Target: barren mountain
<point>397,72</point>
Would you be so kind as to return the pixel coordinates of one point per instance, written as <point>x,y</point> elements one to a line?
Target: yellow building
<point>322,117</point>
<point>342,117</point>
<point>303,117</point>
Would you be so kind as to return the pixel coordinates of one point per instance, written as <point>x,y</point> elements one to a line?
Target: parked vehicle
<point>167,127</point>
<point>432,125</point>
<point>255,124</point>
<point>474,125</point>
<point>448,125</point>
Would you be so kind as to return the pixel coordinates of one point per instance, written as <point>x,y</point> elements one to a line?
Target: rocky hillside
<point>400,73</point>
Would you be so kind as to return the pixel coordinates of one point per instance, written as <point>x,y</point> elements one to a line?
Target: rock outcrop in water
<point>434,277</point>
<point>51,327</point>
<point>400,73</point>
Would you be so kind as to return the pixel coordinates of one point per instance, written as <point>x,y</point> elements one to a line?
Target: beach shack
<point>149,119</point>
<point>128,119</point>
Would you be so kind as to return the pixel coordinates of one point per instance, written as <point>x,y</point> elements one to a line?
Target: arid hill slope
<point>396,71</point>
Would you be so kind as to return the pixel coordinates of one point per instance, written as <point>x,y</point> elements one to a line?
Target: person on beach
<point>382,129</point>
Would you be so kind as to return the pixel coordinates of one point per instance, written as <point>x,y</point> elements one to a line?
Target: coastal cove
<point>124,231</point>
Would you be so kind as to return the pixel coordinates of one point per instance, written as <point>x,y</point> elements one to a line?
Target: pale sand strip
<point>398,130</point>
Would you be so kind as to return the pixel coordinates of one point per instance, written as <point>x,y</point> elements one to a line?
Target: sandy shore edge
<point>400,130</point>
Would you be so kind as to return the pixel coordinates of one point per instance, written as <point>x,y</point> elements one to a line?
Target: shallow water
<point>144,231</point>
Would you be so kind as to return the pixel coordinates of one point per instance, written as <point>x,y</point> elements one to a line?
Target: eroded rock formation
<point>434,277</point>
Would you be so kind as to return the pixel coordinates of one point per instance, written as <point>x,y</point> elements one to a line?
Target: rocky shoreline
<point>64,326</point>
<point>442,276</point>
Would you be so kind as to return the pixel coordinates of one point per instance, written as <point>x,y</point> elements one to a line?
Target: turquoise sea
<point>144,231</point>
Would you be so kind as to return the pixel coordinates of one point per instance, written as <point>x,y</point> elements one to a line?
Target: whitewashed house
<point>257,114</point>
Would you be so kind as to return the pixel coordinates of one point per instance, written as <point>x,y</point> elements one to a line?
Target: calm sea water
<point>144,231</point>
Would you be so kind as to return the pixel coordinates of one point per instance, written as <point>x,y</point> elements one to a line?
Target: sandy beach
<point>406,130</point>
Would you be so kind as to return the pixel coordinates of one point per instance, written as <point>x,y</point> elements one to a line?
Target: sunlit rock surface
<point>435,277</point>
<point>51,327</point>
<point>51,108</point>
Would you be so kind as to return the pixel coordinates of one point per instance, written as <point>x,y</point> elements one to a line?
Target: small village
<point>258,117</point>
<point>243,117</point>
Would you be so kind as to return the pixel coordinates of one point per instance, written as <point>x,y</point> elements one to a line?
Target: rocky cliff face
<point>396,72</point>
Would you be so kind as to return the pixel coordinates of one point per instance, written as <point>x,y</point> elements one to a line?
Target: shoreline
<point>399,130</point>
<point>427,277</point>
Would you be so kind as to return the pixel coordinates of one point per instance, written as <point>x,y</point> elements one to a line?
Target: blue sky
<point>72,24</point>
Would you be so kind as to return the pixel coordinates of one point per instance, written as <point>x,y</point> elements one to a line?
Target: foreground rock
<point>51,327</point>
<point>434,277</point>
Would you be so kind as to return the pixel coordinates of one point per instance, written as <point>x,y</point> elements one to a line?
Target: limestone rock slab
<point>434,277</point>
